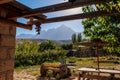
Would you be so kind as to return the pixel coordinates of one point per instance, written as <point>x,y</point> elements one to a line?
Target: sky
<point>74,25</point>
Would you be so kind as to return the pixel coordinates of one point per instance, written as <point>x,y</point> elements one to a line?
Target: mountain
<point>25,36</point>
<point>61,33</point>
<point>57,42</point>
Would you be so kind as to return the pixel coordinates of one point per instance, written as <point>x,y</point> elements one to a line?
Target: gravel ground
<point>23,76</point>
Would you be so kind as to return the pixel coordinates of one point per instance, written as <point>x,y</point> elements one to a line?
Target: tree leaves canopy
<point>106,28</point>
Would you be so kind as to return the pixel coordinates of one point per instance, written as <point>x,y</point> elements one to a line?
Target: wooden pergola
<point>17,10</point>
<point>94,44</point>
<point>11,10</point>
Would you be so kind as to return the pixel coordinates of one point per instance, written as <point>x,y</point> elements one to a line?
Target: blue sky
<point>75,25</point>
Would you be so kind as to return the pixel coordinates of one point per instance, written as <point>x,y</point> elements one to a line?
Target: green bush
<point>72,60</point>
<point>79,59</point>
<point>116,62</point>
<point>58,77</point>
<point>67,46</point>
<point>28,53</point>
<point>49,73</point>
<point>46,46</point>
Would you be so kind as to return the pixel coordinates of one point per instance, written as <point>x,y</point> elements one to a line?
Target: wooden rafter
<point>5,1</point>
<point>66,5</point>
<point>61,6</point>
<point>78,16</point>
<point>26,15</point>
<point>18,9</point>
<point>13,23</point>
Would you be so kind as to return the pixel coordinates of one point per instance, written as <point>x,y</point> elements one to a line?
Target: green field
<point>34,71</point>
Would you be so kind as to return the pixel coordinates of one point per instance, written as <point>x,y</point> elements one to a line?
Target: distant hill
<point>25,36</point>
<point>61,33</point>
<point>57,42</point>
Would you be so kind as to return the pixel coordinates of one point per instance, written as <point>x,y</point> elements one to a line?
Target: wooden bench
<point>92,73</point>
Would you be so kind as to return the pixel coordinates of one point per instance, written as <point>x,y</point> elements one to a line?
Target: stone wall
<point>7,49</point>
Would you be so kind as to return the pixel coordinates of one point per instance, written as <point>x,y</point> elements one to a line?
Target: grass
<point>80,62</point>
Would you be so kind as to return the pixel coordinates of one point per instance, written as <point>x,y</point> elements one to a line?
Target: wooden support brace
<point>58,7</point>
<point>5,1</point>
<point>66,5</point>
<point>78,16</point>
<point>0,39</point>
<point>13,23</point>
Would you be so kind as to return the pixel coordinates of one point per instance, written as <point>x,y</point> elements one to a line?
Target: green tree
<point>27,47</point>
<point>67,46</point>
<point>104,28</point>
<point>25,53</point>
<point>79,37</point>
<point>74,38</point>
<point>47,45</point>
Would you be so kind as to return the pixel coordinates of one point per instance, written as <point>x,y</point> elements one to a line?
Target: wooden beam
<point>17,10</point>
<point>19,7</point>
<point>13,23</point>
<point>61,6</point>
<point>37,16</point>
<point>5,1</point>
<point>78,16</point>
<point>66,5</point>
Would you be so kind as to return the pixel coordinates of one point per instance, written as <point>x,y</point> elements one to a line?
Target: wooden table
<point>88,73</point>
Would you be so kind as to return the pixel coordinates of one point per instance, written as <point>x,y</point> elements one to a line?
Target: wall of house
<point>7,49</point>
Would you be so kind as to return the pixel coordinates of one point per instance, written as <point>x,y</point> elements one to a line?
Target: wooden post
<point>97,58</point>
<point>98,62</point>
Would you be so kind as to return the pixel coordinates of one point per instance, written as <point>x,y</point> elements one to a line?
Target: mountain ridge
<point>61,33</point>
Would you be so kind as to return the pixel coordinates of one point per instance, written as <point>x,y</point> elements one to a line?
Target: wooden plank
<point>61,6</point>
<point>77,16</point>
<point>18,11</point>
<point>99,71</point>
<point>98,77</point>
<point>13,23</point>
<point>66,5</point>
<point>20,8</point>
<point>5,1</point>
<point>19,5</point>
<point>11,10</point>
<point>40,16</point>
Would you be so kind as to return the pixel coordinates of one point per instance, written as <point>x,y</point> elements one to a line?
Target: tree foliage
<point>27,53</point>
<point>27,47</point>
<point>46,46</point>
<point>74,38</point>
<point>67,46</point>
<point>106,28</point>
<point>79,37</point>
<point>113,5</point>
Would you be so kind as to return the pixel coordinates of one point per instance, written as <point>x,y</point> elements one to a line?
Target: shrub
<point>46,46</point>
<point>72,60</point>
<point>116,62</point>
<point>26,58</point>
<point>58,77</point>
<point>49,73</point>
<point>67,46</point>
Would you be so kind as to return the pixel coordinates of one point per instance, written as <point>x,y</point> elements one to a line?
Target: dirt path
<point>22,75</point>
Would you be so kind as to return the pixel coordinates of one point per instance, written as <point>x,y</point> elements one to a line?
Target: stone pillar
<point>7,49</point>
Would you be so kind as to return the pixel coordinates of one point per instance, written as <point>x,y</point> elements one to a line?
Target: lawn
<point>31,72</point>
